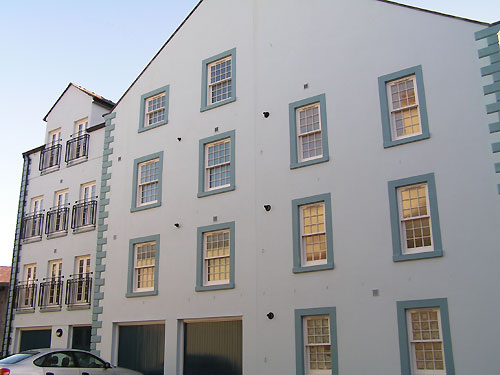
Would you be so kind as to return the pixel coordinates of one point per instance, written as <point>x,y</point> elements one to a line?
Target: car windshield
<point>15,358</point>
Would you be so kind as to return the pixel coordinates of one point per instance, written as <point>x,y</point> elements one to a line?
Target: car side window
<point>59,359</point>
<point>87,360</point>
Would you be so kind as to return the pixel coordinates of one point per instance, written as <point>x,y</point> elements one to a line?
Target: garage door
<point>142,347</point>
<point>35,339</point>
<point>213,348</point>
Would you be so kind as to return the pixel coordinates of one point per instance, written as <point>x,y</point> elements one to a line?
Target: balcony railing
<point>32,226</point>
<point>78,290</point>
<point>51,293</point>
<point>77,147</point>
<point>26,296</point>
<point>50,157</point>
<point>84,215</point>
<point>57,221</point>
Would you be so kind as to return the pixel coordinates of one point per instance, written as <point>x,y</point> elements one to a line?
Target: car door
<point>89,364</point>
<point>59,363</point>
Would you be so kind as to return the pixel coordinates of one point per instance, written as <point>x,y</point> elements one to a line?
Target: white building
<point>302,187</point>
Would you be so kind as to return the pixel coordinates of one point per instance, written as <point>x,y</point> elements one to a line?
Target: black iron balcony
<point>84,215</point>
<point>50,296</point>
<point>77,148</point>
<point>78,290</point>
<point>26,296</point>
<point>50,157</point>
<point>57,221</point>
<point>32,226</point>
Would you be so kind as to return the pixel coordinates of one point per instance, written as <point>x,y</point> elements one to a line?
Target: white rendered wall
<point>339,48</point>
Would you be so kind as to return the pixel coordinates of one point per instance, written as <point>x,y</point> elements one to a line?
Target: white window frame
<point>304,236</point>
<point>54,137</point>
<point>307,346</point>
<point>147,115</point>
<point>412,342</point>
<point>61,198</point>
<point>140,186</point>
<point>206,259</point>
<point>301,136</point>
<point>210,85</point>
<point>224,163</point>
<point>393,110</point>
<point>135,287</point>
<point>404,246</point>
<point>55,276</point>
<point>30,280</point>
<point>81,126</point>
<point>88,191</point>
<point>37,204</point>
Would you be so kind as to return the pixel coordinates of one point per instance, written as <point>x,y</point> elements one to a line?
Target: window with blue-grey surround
<point>143,272</point>
<point>154,108</point>
<point>312,233</point>
<point>147,182</point>
<point>403,107</point>
<point>414,216</point>
<point>308,132</point>
<point>218,80</point>
<point>424,337</point>
<point>316,351</point>
<point>216,171</point>
<point>215,257</point>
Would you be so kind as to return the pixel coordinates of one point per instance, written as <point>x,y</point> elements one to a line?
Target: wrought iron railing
<point>84,214</point>
<point>32,226</point>
<point>79,290</point>
<point>50,157</point>
<point>26,296</point>
<point>50,295</point>
<point>77,147</point>
<point>57,221</point>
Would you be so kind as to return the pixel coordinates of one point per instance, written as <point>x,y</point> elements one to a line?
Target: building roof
<point>5,274</point>
<point>98,99</point>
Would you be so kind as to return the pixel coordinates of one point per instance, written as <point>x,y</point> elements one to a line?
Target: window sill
<point>403,141</point>
<point>50,309</point>
<point>205,288</point>
<point>301,164</point>
<point>150,127</point>
<point>84,229</point>
<point>74,162</point>
<point>215,191</point>
<point>424,255</point>
<point>76,308</point>
<point>319,267</point>
<point>141,294</point>
<point>218,104</point>
<point>56,235</point>
<point>26,311</point>
<point>49,170</point>
<point>146,207</point>
<point>32,239</point>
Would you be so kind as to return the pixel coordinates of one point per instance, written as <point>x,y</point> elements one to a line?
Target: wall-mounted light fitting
<point>270,315</point>
<point>267,207</point>
<point>179,139</point>
<point>266,114</point>
<point>177,225</point>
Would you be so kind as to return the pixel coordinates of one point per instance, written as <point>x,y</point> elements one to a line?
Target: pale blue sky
<point>102,46</point>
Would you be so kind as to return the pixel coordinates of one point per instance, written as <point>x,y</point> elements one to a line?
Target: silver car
<point>59,362</point>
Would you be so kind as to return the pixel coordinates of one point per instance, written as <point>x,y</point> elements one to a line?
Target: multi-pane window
<point>415,218</point>
<point>313,233</point>
<point>317,346</point>
<point>310,144</point>
<point>216,167</point>
<point>148,178</point>
<point>29,289</point>
<point>403,107</point>
<point>144,266</point>
<point>81,126</point>
<point>155,110</point>
<point>217,257</point>
<point>405,116</point>
<point>218,164</point>
<point>416,232</point>
<point>426,341</point>
<point>308,131</point>
<point>55,285</point>
<point>220,80</point>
